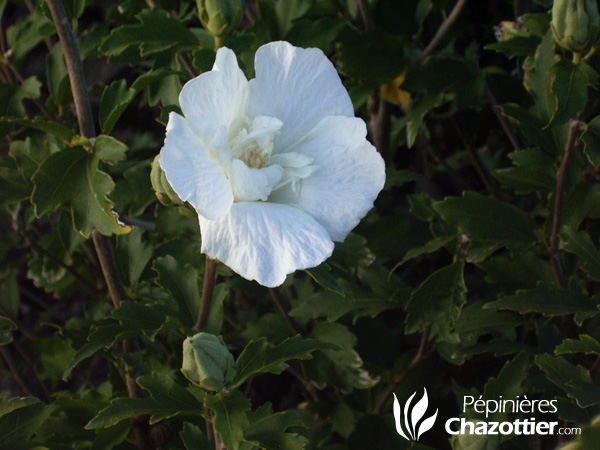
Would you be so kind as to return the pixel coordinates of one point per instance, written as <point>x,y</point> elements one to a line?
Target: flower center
<point>251,139</point>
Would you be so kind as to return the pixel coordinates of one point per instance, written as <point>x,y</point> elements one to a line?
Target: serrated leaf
<point>537,81</point>
<point>357,302</point>
<point>585,344</point>
<point>134,316</point>
<point>115,99</point>
<point>580,243</point>
<point>534,170</point>
<point>591,140</point>
<point>322,276</point>
<point>109,150</point>
<point>569,86</point>
<point>547,300</point>
<point>133,255</point>
<point>193,438</point>
<point>13,403</point>
<point>564,374</point>
<point>531,126</point>
<point>488,219</point>
<point>229,412</point>
<point>516,46</point>
<point>258,357</point>
<point>585,394</point>
<point>71,177</point>
<point>17,426</point>
<point>167,399</point>
<point>508,382</point>
<point>269,430</point>
<point>156,32</point>
<point>62,132</point>
<point>437,302</point>
<point>182,283</point>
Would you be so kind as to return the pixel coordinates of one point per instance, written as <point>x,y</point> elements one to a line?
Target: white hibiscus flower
<point>277,167</point>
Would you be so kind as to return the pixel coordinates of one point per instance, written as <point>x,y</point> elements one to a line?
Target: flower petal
<point>265,241</point>
<point>250,184</point>
<point>298,86</point>
<point>217,97</point>
<point>351,174</point>
<point>192,172</point>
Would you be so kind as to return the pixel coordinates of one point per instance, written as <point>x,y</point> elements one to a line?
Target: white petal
<point>265,241</point>
<point>350,175</point>
<point>250,184</point>
<point>217,97</point>
<point>192,172</point>
<point>298,86</point>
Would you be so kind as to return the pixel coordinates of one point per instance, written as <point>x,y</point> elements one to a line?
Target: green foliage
<point>475,274</point>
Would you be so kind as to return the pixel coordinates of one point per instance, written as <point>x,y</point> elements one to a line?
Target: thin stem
<point>279,301</point>
<point>364,11</point>
<point>560,184</point>
<point>442,30</point>
<point>14,371</point>
<point>400,378</point>
<point>102,243</point>
<point>501,120</point>
<point>210,269</point>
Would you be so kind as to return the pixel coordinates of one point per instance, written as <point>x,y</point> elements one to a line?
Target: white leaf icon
<point>419,410</point>
<point>398,417</point>
<point>426,425</point>
<point>406,408</point>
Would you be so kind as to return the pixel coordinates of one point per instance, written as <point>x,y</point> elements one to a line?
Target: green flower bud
<point>163,190</point>
<point>206,362</point>
<point>576,24</point>
<point>220,17</point>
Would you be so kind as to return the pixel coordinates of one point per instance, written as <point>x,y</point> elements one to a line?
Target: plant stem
<point>102,243</point>
<point>364,11</point>
<point>400,378</point>
<point>560,184</point>
<point>279,302</point>
<point>501,120</point>
<point>442,30</point>
<point>210,269</point>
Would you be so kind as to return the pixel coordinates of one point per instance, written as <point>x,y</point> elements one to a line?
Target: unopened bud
<point>220,17</point>
<point>575,24</point>
<point>207,362</point>
<point>163,190</point>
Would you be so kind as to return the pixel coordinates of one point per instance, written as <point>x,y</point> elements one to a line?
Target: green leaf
<point>537,81</point>
<point>320,33</point>
<point>585,344</point>
<point>437,302</point>
<point>7,326</point>
<point>62,132</point>
<point>133,255</point>
<point>322,276</point>
<point>167,399</point>
<point>508,383</point>
<point>269,430</point>
<point>488,219</point>
<point>113,103</point>
<point>580,243</point>
<point>439,73</point>
<point>569,86</point>
<point>17,426</point>
<point>531,126</point>
<point>564,374</point>
<point>547,300</point>
<point>516,46</point>
<point>182,283</point>
<point>134,316</point>
<point>591,140</point>
<point>109,150</point>
<point>71,177</point>
<point>229,412</point>
<point>57,76</point>
<point>193,438</point>
<point>288,12</point>
<point>8,405</point>
<point>156,32</point>
<point>341,367</point>
<point>430,247</point>
<point>417,112</point>
<point>585,393</point>
<point>258,357</point>
<point>357,302</point>
<point>534,171</point>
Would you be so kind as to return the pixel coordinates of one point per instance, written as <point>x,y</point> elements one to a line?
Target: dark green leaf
<point>516,46</point>
<point>115,99</point>
<point>547,300</point>
<point>565,375</point>
<point>322,276</point>
<point>230,419</point>
<point>71,177</point>
<point>508,383</point>
<point>193,438</point>
<point>488,219</point>
<point>134,316</point>
<point>585,344</point>
<point>569,85</point>
<point>580,243</point>
<point>109,150</point>
<point>258,357</point>
<point>531,126</point>
<point>537,80</point>
<point>269,430</point>
<point>319,33</point>
<point>182,283</point>
<point>437,302</point>
<point>62,132</point>
<point>591,140</point>
<point>17,426</point>
<point>534,170</point>
<point>7,326</point>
